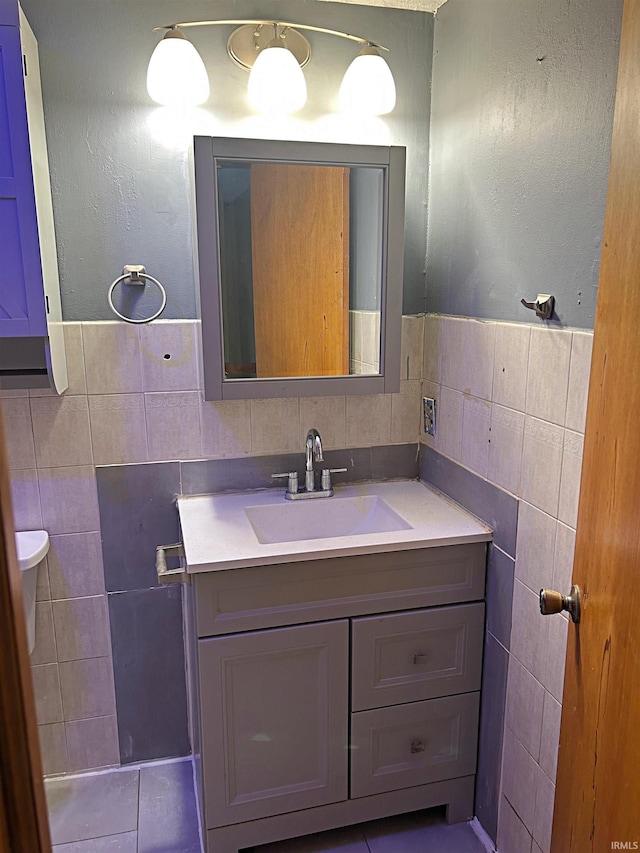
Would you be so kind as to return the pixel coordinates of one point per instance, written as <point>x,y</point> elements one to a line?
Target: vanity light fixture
<point>276,81</point>
<point>274,52</point>
<point>176,76</point>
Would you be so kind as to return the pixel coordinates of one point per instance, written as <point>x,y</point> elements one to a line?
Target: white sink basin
<point>323,518</point>
<point>261,528</point>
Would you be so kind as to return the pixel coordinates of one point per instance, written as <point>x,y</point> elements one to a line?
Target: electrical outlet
<point>429,412</point>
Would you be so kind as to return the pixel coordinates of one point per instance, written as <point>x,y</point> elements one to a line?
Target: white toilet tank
<point>32,546</point>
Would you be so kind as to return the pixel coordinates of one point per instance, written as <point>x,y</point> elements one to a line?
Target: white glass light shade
<point>276,81</point>
<point>176,76</point>
<point>368,87</point>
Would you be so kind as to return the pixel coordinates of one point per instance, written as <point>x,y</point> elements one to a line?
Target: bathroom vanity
<point>333,679</point>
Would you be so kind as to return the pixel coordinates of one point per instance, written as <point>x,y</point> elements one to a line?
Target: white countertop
<point>217,533</point>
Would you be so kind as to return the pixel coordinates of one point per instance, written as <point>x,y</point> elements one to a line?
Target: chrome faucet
<point>313,453</point>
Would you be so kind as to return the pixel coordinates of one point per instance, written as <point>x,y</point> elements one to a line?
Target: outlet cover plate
<point>429,414</point>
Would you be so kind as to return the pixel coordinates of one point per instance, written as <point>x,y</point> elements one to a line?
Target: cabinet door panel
<point>274,721</point>
<point>9,13</point>
<point>22,309</point>
<point>407,657</point>
<point>407,745</point>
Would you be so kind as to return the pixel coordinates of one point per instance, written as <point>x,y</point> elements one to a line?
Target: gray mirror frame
<point>207,150</point>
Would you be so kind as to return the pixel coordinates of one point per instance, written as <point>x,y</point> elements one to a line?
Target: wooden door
<point>23,814</point>
<point>300,254</point>
<point>598,785</point>
<point>274,708</point>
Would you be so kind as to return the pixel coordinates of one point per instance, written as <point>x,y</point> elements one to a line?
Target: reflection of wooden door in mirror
<point>300,248</point>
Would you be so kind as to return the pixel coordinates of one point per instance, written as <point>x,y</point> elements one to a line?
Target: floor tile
<point>347,840</point>
<point>125,842</point>
<point>421,832</point>
<point>84,807</point>
<point>168,818</point>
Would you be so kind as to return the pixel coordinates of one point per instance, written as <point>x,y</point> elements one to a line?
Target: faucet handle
<point>326,477</point>
<point>292,485</point>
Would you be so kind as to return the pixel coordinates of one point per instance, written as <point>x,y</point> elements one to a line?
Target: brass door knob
<point>554,602</point>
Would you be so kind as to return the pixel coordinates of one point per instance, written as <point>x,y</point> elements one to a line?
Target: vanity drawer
<point>407,657</point>
<point>338,587</point>
<point>407,745</point>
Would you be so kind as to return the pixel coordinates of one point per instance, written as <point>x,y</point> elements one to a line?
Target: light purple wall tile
<point>525,700</point>
<point>511,365</point>
<point>87,688</point>
<point>45,647</point>
<point>112,358</point>
<point>61,431</point>
<point>513,836</point>
<point>82,629</point>
<point>25,497</point>
<point>548,375</point>
<point>118,428</point>
<point>551,717</point>
<point>542,464</point>
<point>519,775</point>
<point>46,688</point>
<point>226,427</point>
<point>169,356</point>
<point>75,565</point>
<point>581,349</point>
<point>75,358</point>
<point>530,631</point>
<point>69,499</point>
<point>173,425</point>
<point>18,431</point>
<point>92,743</point>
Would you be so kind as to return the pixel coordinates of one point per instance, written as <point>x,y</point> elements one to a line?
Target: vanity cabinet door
<point>274,721</point>
<point>8,13</point>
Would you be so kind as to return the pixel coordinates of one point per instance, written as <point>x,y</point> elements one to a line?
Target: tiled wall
<point>134,397</point>
<point>511,402</point>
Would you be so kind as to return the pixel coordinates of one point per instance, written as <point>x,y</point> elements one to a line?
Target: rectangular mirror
<point>300,263</point>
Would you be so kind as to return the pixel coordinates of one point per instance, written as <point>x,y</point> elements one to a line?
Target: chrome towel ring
<point>135,274</point>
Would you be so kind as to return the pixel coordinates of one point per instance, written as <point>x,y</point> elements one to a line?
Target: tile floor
<point>147,810</point>
<point>420,832</point>
<point>151,809</point>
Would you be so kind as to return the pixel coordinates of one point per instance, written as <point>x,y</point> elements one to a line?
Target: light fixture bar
<point>308,27</point>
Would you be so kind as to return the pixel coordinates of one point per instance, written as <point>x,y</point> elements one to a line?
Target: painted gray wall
<point>522,112</point>
<point>119,167</point>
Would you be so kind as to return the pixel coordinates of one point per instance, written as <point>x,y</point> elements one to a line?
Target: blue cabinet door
<point>22,305</point>
<point>9,13</point>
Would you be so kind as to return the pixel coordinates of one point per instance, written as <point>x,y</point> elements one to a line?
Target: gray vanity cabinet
<point>330,692</point>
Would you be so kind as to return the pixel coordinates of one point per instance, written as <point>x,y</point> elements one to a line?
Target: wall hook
<point>543,305</point>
